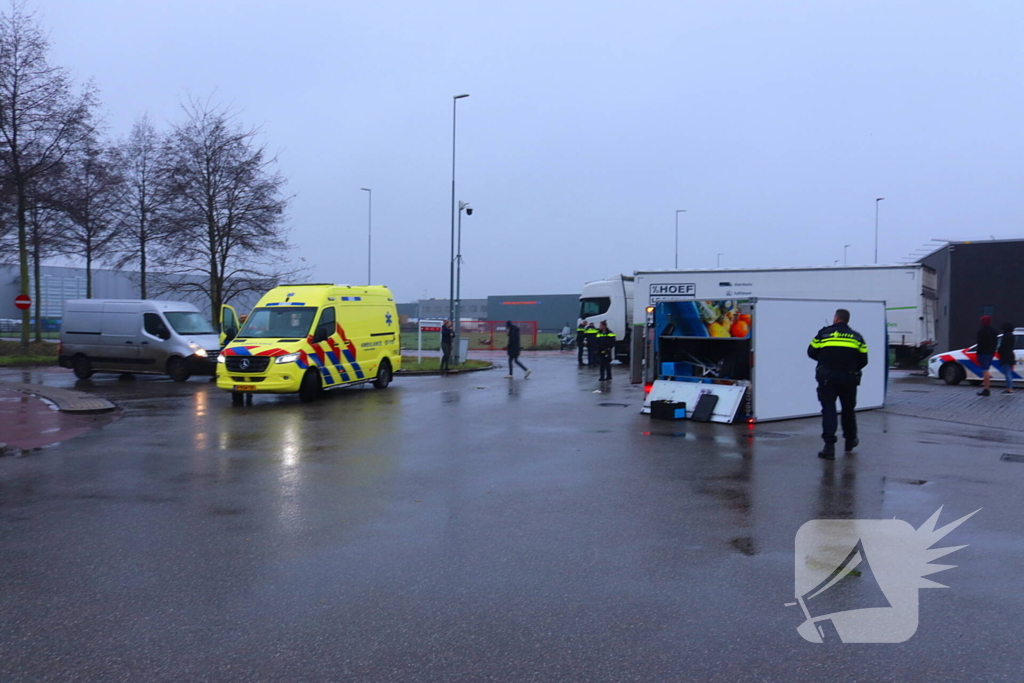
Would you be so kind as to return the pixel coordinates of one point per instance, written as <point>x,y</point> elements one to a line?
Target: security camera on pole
<point>463,206</point>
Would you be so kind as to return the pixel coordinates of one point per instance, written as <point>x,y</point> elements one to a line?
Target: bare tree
<point>45,228</point>
<point>227,211</point>
<point>89,188</point>
<point>41,118</point>
<point>142,163</point>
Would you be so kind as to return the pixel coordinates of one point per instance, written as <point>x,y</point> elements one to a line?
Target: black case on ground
<point>705,406</point>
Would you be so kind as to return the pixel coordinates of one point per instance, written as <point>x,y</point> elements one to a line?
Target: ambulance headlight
<point>287,358</point>
<point>220,358</point>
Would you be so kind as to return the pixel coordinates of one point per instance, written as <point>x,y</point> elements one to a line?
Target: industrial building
<point>974,279</point>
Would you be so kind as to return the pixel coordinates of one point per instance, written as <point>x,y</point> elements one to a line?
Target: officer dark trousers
<point>592,350</point>
<point>605,359</point>
<point>845,390</point>
<point>581,342</point>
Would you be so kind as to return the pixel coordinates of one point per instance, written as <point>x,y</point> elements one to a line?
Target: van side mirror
<point>163,333</point>
<point>230,333</point>
<point>320,335</point>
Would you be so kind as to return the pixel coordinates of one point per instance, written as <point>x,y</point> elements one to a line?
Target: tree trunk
<point>23,257</point>
<point>38,286</point>
<point>88,273</point>
<point>142,265</point>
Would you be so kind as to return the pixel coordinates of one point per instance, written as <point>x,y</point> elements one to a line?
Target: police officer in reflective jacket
<point>605,349</point>
<point>581,332</point>
<point>841,353</point>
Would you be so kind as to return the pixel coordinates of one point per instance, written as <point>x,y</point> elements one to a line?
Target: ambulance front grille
<point>247,363</point>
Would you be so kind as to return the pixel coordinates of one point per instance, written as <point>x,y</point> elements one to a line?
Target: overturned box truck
<point>745,359</point>
<point>909,293</point>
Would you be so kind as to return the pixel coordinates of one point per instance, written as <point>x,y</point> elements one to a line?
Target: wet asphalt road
<point>472,528</point>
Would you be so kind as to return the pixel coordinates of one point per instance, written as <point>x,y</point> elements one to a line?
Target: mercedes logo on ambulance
<point>244,364</point>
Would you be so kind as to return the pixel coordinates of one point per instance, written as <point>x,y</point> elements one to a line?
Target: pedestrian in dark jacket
<point>590,336</point>
<point>513,349</point>
<point>1006,356</point>
<point>581,336</point>
<point>447,335</point>
<point>841,353</point>
<point>985,351</point>
<point>605,349</point>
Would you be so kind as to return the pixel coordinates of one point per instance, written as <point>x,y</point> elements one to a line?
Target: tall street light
<point>369,233</point>
<point>463,206</point>
<point>678,211</point>
<point>451,262</point>
<point>845,247</point>
<point>876,228</point>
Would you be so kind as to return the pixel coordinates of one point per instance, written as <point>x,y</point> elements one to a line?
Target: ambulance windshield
<point>278,323</point>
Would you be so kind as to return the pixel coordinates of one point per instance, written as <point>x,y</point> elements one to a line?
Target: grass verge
<point>13,354</point>
<point>410,364</point>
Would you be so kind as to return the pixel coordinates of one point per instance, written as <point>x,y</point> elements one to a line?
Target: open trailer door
<point>783,376</point>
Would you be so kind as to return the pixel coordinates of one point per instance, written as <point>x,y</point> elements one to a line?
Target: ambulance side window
<point>325,328</point>
<point>1018,341</point>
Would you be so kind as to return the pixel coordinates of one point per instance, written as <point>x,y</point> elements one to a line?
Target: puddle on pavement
<point>609,404</point>
<point>744,544</point>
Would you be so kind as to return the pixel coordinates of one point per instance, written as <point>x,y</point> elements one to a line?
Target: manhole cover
<point>614,405</point>
<point>1012,457</point>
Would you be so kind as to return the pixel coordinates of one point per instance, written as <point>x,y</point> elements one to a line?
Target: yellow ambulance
<point>307,338</point>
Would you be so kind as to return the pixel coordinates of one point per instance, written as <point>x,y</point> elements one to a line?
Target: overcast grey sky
<point>775,124</point>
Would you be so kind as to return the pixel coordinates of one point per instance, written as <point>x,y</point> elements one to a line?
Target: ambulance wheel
<point>237,398</point>
<point>82,367</point>
<point>952,374</point>
<point>383,375</point>
<point>311,388</point>
<point>178,370</point>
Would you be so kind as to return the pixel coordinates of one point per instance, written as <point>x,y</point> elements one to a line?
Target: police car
<point>953,367</point>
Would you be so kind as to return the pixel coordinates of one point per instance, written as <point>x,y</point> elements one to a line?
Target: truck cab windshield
<point>594,306</point>
<point>278,323</point>
<point>189,322</point>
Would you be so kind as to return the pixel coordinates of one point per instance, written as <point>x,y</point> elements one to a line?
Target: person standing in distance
<point>590,335</point>
<point>841,353</point>
<point>447,335</point>
<point>1006,356</point>
<point>605,346</point>
<point>985,351</point>
<point>513,349</point>
<point>581,340</point>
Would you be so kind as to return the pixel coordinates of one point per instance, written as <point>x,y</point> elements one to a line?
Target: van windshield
<point>189,322</point>
<point>278,323</point>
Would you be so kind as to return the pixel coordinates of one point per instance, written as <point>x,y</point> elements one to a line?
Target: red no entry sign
<point>23,301</point>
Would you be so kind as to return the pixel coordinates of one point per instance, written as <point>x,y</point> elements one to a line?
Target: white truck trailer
<point>611,300</point>
<point>909,293</point>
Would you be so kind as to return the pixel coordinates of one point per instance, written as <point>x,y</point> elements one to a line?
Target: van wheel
<point>383,375</point>
<point>237,398</point>
<point>82,367</point>
<point>177,370</point>
<point>311,387</point>
<point>952,373</point>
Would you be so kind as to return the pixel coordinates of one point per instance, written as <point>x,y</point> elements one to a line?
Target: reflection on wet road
<point>474,528</point>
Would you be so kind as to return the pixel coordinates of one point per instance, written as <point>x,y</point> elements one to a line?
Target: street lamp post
<point>720,260</point>
<point>463,206</point>
<point>369,234</point>
<point>678,211</point>
<point>876,228</point>
<point>845,247</point>
<point>451,262</point>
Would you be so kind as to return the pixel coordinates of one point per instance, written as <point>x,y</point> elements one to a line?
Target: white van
<point>141,336</point>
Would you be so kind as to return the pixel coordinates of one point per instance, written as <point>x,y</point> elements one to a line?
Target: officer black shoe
<point>828,452</point>
<point>983,392</point>
<point>851,444</point>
